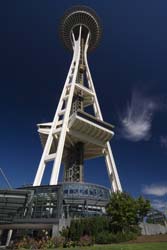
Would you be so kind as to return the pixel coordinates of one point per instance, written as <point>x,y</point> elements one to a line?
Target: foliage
<point>43,243</point>
<point>26,243</point>
<point>143,206</point>
<point>86,240</point>
<point>121,224</point>
<point>125,212</point>
<point>108,237</point>
<point>70,243</point>
<point>122,237</point>
<point>58,241</point>
<point>87,226</point>
<point>104,237</point>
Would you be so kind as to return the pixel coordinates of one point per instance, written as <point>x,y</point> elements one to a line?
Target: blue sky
<point>129,72</point>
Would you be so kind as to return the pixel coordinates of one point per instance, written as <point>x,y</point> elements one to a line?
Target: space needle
<point>75,135</point>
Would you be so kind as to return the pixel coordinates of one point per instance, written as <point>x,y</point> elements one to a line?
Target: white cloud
<point>137,119</point>
<point>159,204</point>
<point>157,190</point>
<point>163,141</point>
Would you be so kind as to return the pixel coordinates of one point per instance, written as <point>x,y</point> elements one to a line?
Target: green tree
<point>125,212</point>
<point>143,206</point>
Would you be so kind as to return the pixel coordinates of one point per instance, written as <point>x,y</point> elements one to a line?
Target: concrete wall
<point>152,229</point>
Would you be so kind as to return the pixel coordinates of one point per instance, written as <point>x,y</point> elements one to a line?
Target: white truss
<point>63,131</point>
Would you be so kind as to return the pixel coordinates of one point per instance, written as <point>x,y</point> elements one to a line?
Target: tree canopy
<point>126,212</point>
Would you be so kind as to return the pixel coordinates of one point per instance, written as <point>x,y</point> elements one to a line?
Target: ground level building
<point>49,207</point>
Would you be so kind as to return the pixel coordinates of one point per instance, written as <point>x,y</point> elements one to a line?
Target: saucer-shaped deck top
<point>80,16</point>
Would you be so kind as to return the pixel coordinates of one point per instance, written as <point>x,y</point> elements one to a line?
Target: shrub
<point>25,243</point>
<point>48,244</point>
<point>86,226</point>
<point>104,238</point>
<point>44,243</point>
<point>81,231</point>
<point>65,232</point>
<point>70,243</point>
<point>58,241</point>
<point>107,238</point>
<point>122,237</point>
<point>86,240</point>
<point>135,229</point>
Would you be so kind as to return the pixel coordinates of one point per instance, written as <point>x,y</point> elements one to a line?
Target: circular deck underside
<point>84,16</point>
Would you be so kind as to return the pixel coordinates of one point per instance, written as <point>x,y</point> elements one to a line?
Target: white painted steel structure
<point>67,129</point>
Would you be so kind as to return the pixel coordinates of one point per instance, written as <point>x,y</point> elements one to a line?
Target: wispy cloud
<point>159,204</point>
<point>158,201</point>
<point>136,121</point>
<point>157,190</point>
<point>163,141</point>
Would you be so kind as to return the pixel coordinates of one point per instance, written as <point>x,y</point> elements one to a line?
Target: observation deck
<point>82,127</point>
<point>80,16</point>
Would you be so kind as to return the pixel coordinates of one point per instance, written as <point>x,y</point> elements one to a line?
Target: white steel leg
<point>41,167</point>
<point>112,170</point>
<point>111,167</point>
<point>60,147</point>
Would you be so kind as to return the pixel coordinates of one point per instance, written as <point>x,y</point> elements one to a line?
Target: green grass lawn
<point>139,246</point>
